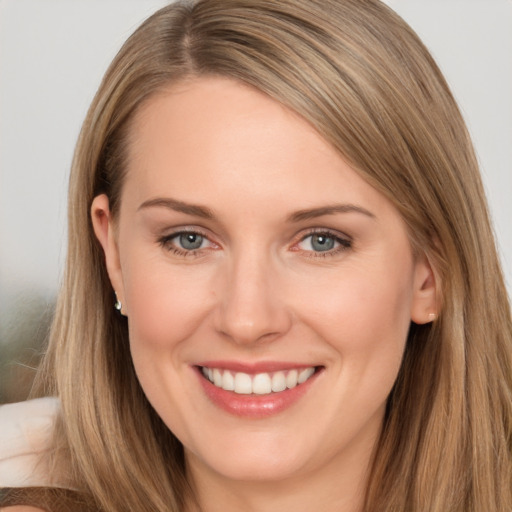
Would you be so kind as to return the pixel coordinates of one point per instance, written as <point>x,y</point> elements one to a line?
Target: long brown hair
<point>362,78</point>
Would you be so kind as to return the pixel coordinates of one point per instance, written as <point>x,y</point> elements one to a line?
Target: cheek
<point>164,305</point>
<point>363,312</point>
<point>365,319</point>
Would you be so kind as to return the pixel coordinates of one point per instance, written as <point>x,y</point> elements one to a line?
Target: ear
<point>104,230</point>
<point>424,308</point>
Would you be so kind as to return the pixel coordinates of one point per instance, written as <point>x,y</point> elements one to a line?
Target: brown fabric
<point>48,498</point>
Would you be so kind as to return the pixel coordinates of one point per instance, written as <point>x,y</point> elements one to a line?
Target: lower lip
<point>254,406</point>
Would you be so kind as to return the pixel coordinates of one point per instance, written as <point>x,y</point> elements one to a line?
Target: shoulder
<point>26,429</point>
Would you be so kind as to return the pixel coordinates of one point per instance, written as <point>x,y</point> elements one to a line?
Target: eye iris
<point>322,242</point>
<point>191,241</point>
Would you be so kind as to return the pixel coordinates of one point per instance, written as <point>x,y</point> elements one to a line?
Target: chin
<point>251,460</point>
<point>256,469</point>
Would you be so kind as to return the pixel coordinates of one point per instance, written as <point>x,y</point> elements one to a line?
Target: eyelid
<point>172,233</point>
<point>334,233</point>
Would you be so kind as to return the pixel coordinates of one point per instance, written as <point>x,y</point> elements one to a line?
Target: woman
<point>309,309</point>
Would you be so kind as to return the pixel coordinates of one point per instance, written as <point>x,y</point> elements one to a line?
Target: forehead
<point>212,138</point>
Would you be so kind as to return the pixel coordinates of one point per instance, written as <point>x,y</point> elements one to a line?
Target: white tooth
<point>210,374</point>
<point>205,371</point>
<point>305,374</point>
<point>278,382</point>
<point>261,384</point>
<point>228,381</point>
<point>291,379</point>
<point>243,384</point>
<point>217,377</point>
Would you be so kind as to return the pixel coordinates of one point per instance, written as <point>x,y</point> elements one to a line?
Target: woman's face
<point>249,253</point>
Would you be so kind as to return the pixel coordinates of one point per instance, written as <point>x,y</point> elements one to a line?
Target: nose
<point>251,306</point>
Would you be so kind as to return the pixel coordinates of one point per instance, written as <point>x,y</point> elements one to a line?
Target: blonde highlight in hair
<point>362,78</point>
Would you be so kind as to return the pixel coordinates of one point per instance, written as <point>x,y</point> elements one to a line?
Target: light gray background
<point>54,52</point>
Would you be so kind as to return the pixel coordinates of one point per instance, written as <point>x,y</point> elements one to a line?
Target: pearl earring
<point>118,304</point>
<point>432,317</point>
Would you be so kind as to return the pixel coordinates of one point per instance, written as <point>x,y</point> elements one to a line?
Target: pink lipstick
<point>255,390</point>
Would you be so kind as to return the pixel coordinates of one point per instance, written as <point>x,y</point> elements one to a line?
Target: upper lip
<point>257,366</point>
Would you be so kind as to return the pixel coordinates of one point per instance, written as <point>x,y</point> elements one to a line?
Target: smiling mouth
<point>258,384</point>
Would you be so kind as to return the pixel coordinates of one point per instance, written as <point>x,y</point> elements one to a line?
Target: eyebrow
<point>178,206</point>
<point>298,216</point>
<point>313,213</point>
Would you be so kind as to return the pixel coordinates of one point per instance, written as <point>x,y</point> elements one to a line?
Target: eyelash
<point>165,242</point>
<point>344,243</point>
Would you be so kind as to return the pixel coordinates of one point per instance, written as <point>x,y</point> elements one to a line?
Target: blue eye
<point>190,241</point>
<point>323,242</point>
<point>185,243</point>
